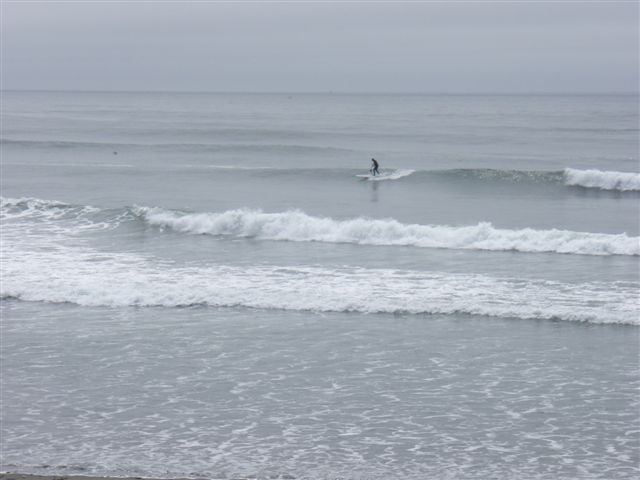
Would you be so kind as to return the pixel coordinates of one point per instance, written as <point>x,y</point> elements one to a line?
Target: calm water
<point>202,285</point>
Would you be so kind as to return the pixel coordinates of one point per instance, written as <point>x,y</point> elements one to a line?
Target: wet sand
<point>24,476</point>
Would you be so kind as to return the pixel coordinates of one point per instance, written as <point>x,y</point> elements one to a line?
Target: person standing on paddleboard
<point>374,167</point>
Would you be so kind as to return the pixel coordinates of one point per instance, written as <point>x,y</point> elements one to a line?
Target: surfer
<point>374,167</point>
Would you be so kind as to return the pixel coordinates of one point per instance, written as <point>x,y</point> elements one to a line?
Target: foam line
<point>297,226</point>
<point>86,277</point>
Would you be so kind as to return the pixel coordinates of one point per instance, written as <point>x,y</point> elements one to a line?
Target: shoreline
<point>31,476</point>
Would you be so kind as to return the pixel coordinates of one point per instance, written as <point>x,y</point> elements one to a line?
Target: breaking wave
<point>297,226</point>
<point>90,278</point>
<point>30,203</point>
<point>604,180</point>
<point>393,175</point>
<point>13,208</point>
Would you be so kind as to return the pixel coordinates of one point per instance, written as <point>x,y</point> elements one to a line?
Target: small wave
<point>29,206</point>
<point>63,221</point>
<point>30,203</point>
<point>395,175</point>
<point>499,175</point>
<point>91,278</point>
<point>292,148</point>
<point>604,180</point>
<point>297,226</point>
<point>12,208</point>
<point>60,144</point>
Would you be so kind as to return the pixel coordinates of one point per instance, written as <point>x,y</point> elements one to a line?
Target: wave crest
<point>394,175</point>
<point>15,208</point>
<point>604,180</point>
<point>297,226</point>
<point>29,203</point>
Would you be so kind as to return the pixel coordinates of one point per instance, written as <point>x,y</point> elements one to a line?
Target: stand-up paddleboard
<point>393,175</point>
<point>367,176</point>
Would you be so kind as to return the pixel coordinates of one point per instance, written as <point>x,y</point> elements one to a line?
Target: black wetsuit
<point>374,169</point>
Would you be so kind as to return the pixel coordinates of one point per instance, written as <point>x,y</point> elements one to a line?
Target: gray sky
<point>499,47</point>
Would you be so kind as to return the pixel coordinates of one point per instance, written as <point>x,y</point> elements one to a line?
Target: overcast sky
<point>291,47</point>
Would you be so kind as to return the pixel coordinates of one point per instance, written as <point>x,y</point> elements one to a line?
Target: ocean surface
<point>204,285</point>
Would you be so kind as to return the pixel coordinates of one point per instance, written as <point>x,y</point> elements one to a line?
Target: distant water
<point>205,285</point>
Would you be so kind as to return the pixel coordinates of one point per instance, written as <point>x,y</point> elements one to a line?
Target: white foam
<point>395,175</point>
<point>87,277</point>
<point>29,203</point>
<point>15,208</point>
<point>300,227</point>
<point>56,223</point>
<point>604,180</point>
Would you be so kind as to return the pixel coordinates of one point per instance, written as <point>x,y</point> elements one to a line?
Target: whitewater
<point>297,226</point>
<point>604,180</point>
<point>91,278</point>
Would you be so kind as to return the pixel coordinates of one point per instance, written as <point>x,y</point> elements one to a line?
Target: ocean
<point>207,285</point>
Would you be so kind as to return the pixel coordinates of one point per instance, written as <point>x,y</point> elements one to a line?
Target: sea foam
<point>395,175</point>
<point>87,277</point>
<point>604,180</point>
<point>297,226</point>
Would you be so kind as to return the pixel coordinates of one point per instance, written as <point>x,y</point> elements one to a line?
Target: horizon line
<point>316,92</point>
